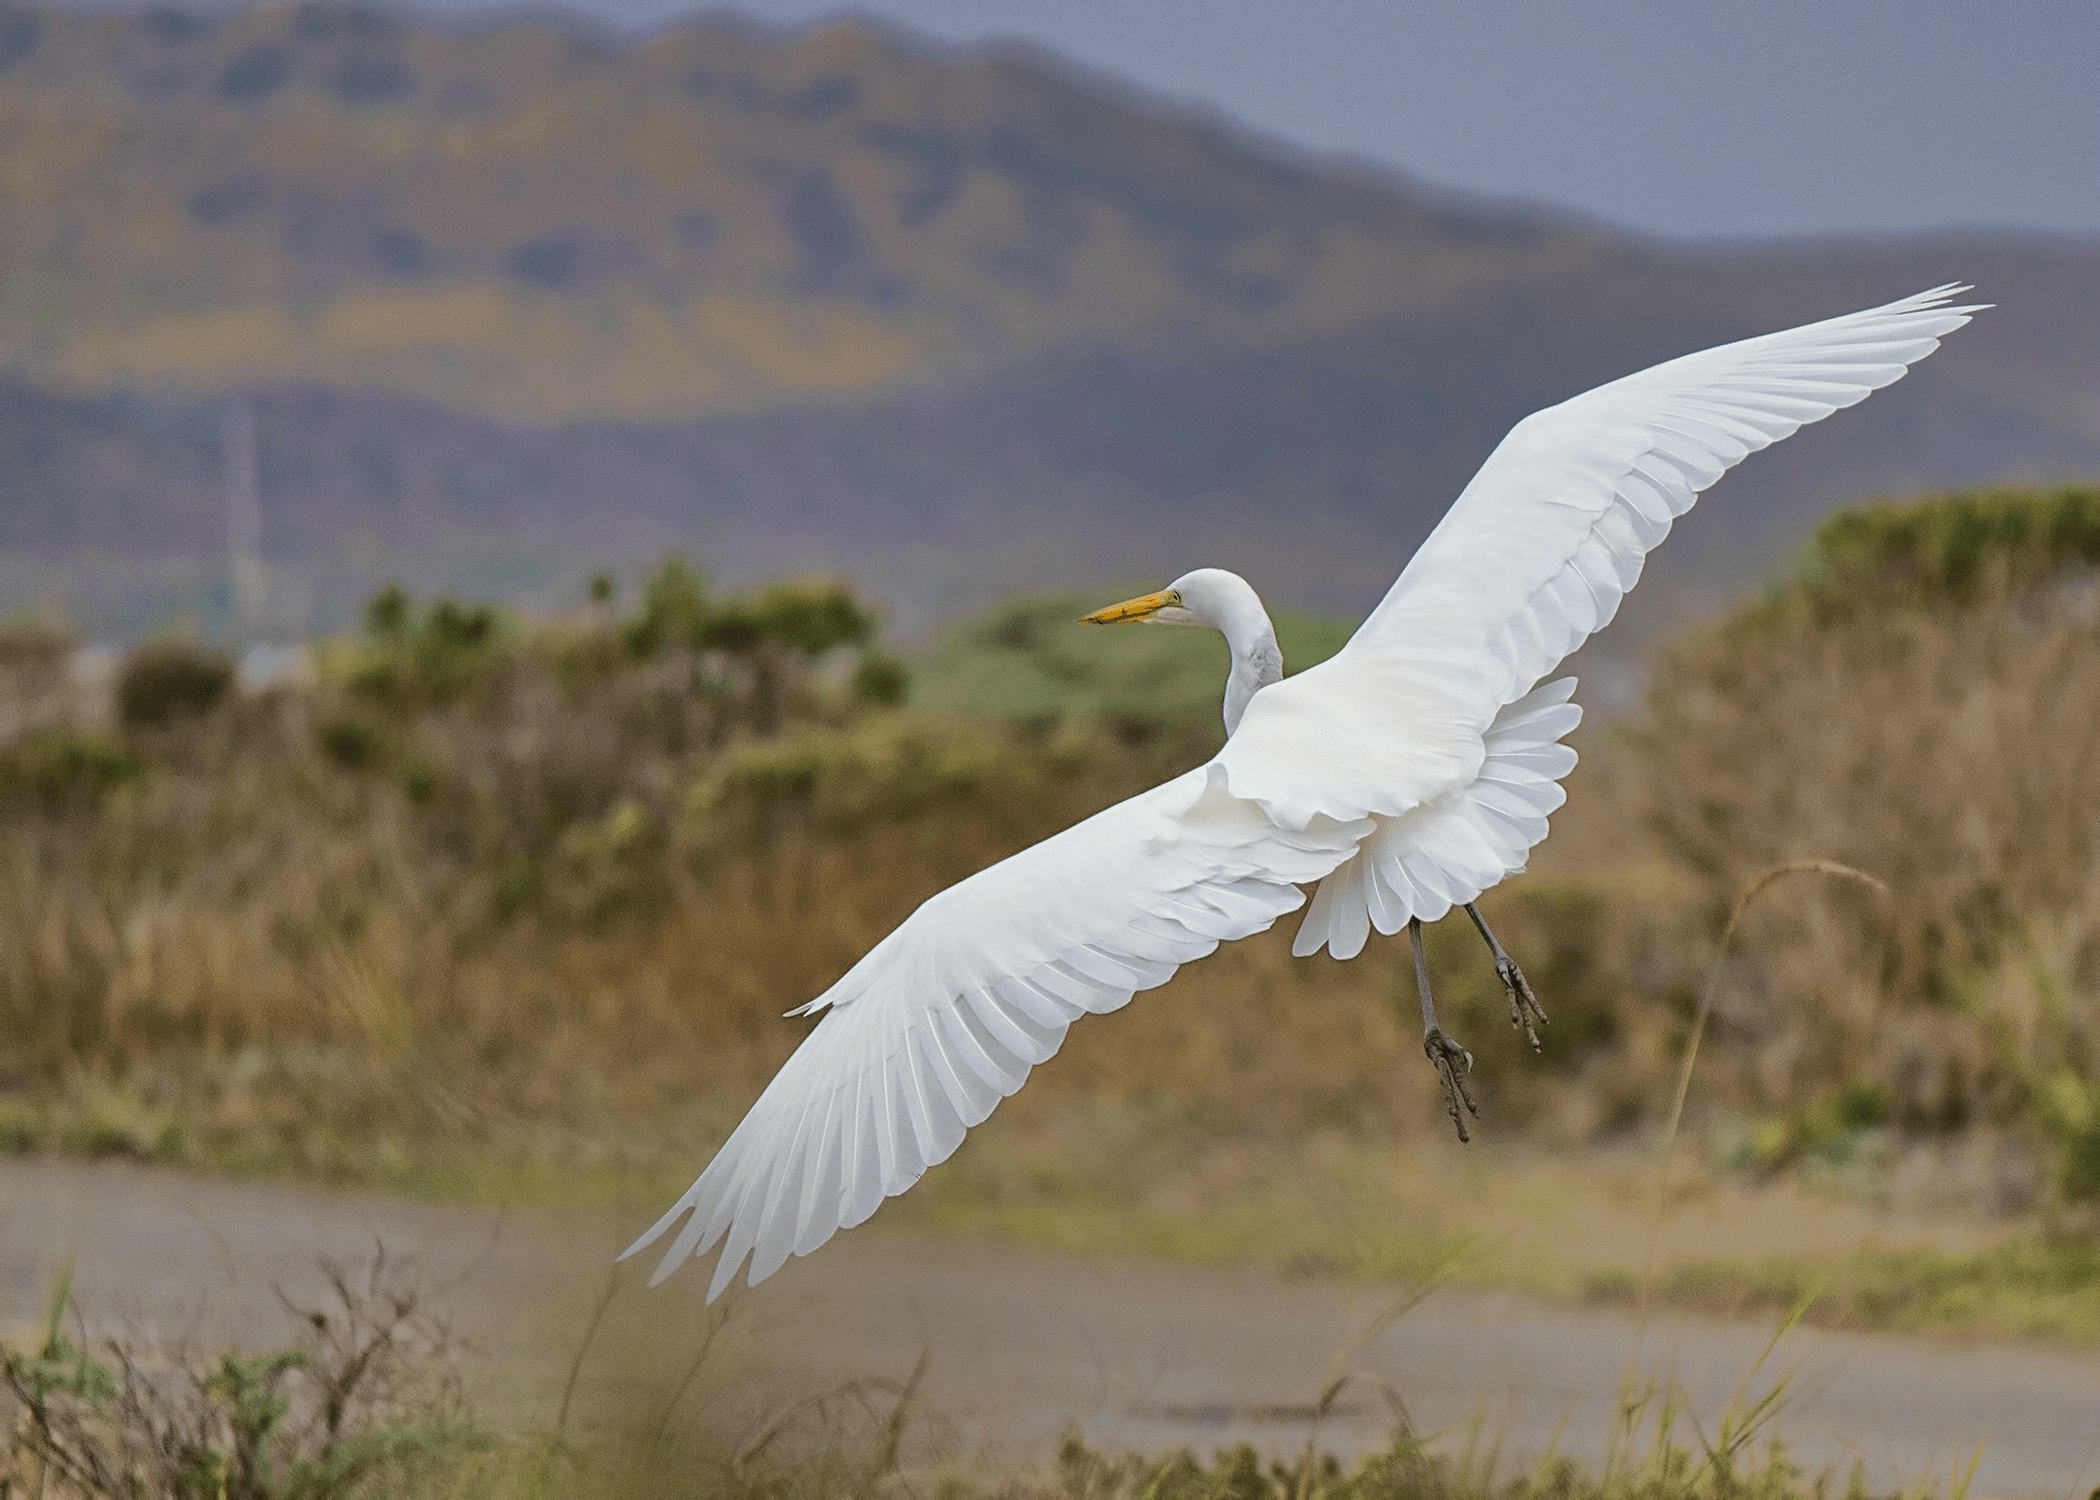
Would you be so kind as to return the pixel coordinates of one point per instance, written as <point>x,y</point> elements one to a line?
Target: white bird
<point>1405,775</point>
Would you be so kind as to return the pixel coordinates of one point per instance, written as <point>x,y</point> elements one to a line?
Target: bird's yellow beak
<point>1143,607</point>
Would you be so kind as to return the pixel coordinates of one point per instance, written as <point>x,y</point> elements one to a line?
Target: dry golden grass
<point>537,897</point>
<point>1951,754</point>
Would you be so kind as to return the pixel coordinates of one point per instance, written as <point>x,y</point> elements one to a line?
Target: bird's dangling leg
<point>1451,1061</point>
<point>1523,1005</point>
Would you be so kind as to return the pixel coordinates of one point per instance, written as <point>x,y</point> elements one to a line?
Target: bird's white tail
<point>1447,851</point>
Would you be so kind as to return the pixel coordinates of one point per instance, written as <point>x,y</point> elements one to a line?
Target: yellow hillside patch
<point>188,349</point>
<point>457,314</point>
<point>525,355</point>
<point>830,347</point>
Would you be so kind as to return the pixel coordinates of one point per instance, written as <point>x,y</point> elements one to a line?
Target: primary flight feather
<point>1404,776</point>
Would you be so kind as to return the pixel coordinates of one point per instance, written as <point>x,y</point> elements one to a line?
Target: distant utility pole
<point>244,555</point>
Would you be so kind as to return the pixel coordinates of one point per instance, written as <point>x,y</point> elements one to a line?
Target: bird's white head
<point>1226,603</point>
<point>1206,596</point>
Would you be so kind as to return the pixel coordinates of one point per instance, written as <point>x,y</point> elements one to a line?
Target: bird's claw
<point>1452,1063</point>
<point>1524,1006</point>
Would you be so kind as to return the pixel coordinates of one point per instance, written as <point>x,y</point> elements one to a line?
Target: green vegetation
<point>2036,1288</point>
<point>166,681</point>
<point>365,1404</point>
<point>58,768</point>
<point>1024,662</point>
<point>1954,547</point>
<point>368,1402</point>
<point>1919,556</point>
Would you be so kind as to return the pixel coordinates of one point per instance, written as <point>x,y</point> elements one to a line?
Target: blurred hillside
<point>949,323</point>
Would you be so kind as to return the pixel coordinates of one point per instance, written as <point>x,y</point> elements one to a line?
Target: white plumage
<point>1407,774</point>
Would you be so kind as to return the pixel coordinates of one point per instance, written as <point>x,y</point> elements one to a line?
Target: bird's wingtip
<point>725,1274</point>
<point>657,1230</point>
<point>1939,298</point>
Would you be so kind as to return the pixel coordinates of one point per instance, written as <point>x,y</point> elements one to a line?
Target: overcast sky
<point>1677,117</point>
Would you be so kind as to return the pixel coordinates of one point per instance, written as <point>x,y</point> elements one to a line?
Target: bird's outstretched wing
<point>1530,561</point>
<point>1538,550</point>
<point>944,1017</point>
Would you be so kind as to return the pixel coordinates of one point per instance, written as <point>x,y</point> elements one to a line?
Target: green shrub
<point>455,650</point>
<point>1946,547</point>
<point>1862,1105</point>
<point>608,865</point>
<point>403,662</point>
<point>672,610</point>
<point>1834,1129</point>
<point>168,680</point>
<point>2067,1107</point>
<point>1028,660</point>
<point>352,742</point>
<point>386,613</point>
<point>418,779</point>
<point>879,679</point>
<point>837,781</point>
<point>365,1404</point>
<point>59,767</point>
<point>733,626</point>
<point>1929,553</point>
<point>809,617</point>
<point>377,678</point>
<point>813,617</point>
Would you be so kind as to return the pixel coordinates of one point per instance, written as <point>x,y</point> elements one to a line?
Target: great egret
<point>1405,775</point>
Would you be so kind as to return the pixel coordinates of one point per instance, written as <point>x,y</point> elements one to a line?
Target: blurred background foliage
<point>1023,661</point>
<point>475,886</point>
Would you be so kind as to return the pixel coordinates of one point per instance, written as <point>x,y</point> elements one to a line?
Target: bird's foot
<point>1452,1063</point>
<point>1524,1008</point>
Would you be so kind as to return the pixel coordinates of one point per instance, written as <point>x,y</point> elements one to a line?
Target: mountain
<point>543,224</point>
<point>514,302</point>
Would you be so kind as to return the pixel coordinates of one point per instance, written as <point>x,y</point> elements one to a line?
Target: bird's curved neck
<point>1257,660</point>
